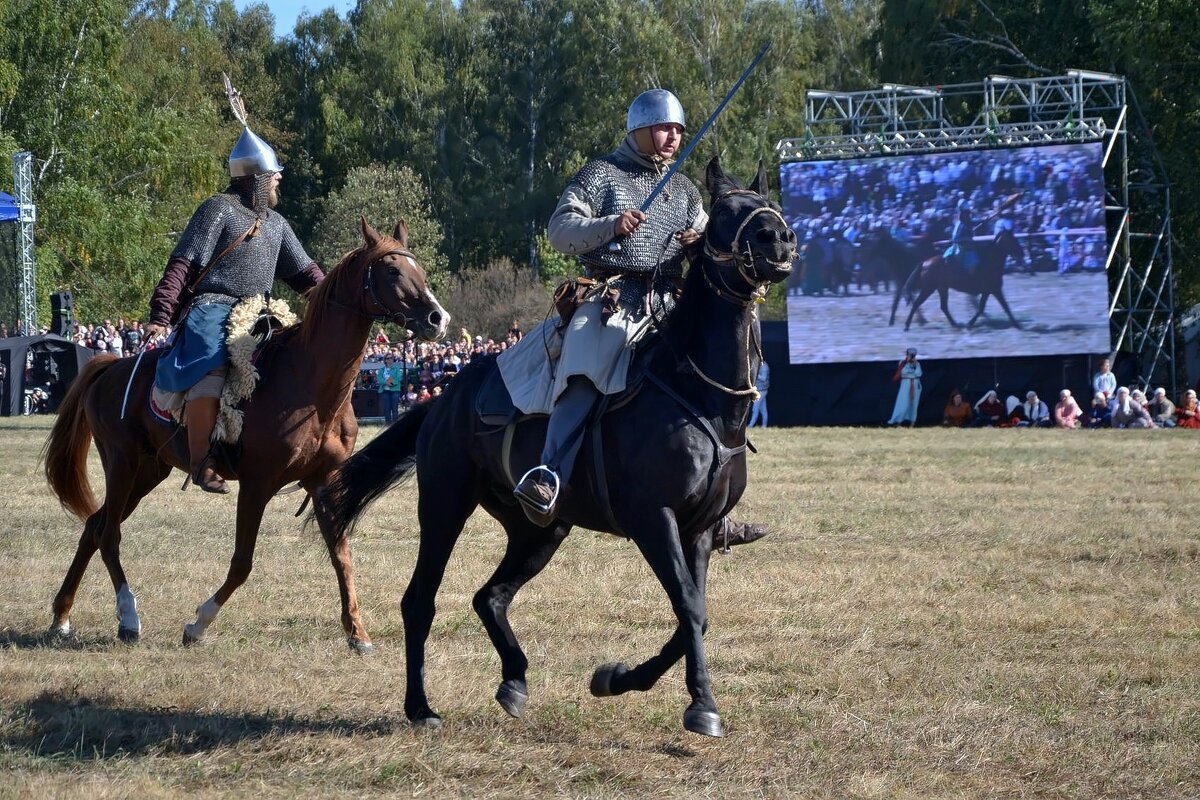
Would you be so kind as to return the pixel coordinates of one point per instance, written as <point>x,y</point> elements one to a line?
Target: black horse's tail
<point>903,290</point>
<point>386,461</point>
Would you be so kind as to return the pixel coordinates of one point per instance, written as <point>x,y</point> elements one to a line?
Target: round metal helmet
<point>251,156</point>
<point>654,107</point>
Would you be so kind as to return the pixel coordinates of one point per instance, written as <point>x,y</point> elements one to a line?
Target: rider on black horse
<point>598,219</point>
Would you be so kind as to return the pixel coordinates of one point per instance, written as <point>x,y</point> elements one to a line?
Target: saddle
<point>494,406</point>
<point>495,410</point>
<point>252,322</point>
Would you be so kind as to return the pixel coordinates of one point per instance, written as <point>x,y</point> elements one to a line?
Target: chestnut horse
<point>674,464</point>
<point>298,426</point>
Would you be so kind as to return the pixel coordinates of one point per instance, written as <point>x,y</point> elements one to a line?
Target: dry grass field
<point>942,614</point>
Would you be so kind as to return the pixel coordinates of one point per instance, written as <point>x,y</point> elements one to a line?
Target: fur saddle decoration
<point>241,340</point>
<point>243,375</point>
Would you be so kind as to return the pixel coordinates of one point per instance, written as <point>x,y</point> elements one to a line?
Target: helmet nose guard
<point>252,156</point>
<point>654,107</point>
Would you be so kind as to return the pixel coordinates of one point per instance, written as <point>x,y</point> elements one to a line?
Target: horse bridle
<point>385,314</point>
<point>742,260</point>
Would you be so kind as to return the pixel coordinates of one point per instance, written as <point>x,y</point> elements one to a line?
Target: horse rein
<point>743,261</point>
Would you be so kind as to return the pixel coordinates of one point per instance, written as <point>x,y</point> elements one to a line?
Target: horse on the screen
<point>885,261</point>
<point>940,275</point>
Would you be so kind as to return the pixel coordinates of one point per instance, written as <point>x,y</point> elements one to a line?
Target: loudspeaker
<point>62,313</point>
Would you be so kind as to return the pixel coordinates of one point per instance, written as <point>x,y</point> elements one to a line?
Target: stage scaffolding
<point>1080,106</point>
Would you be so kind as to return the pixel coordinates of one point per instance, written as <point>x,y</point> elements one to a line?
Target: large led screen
<point>901,252</point>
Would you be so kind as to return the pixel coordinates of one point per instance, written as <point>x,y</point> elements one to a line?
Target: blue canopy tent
<point>8,207</point>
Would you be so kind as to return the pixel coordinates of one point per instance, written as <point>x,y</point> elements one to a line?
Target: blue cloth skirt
<point>199,347</point>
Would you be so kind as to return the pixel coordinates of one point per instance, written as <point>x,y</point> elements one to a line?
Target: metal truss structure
<point>1080,106</point>
<point>27,216</point>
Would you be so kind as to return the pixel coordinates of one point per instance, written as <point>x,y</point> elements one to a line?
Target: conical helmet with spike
<point>251,155</point>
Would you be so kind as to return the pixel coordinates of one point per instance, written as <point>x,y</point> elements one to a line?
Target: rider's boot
<point>736,533</point>
<point>200,417</point>
<point>538,489</point>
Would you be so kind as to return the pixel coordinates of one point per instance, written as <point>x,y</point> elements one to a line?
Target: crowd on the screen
<point>917,201</point>
<point>1111,406</point>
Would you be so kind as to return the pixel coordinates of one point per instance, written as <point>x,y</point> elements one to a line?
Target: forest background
<point>468,118</point>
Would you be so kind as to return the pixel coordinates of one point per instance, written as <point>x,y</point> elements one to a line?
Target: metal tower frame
<point>1080,106</point>
<point>26,217</point>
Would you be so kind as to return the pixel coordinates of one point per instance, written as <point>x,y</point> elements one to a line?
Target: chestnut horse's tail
<point>66,451</point>
<point>388,459</point>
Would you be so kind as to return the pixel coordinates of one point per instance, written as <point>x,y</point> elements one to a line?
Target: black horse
<point>673,464</point>
<point>939,275</point>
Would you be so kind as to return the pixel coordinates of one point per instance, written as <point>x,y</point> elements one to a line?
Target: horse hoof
<point>128,635</point>
<point>705,723</point>
<point>511,696</point>
<point>361,647</point>
<point>427,722</point>
<point>602,678</point>
<point>189,638</point>
<point>59,630</point>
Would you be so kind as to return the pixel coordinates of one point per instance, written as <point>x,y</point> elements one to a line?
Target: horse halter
<point>368,289</point>
<point>743,260</point>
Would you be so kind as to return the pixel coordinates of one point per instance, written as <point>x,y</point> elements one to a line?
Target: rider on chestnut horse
<point>235,245</point>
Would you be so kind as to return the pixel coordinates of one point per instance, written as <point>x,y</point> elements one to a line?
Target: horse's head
<point>392,284</point>
<point>1007,244</point>
<point>747,238</point>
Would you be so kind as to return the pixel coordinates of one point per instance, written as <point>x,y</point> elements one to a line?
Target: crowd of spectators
<point>1111,406</point>
<point>1052,198</point>
<point>408,372</point>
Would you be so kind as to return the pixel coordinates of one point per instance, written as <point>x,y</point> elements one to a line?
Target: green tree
<point>383,195</point>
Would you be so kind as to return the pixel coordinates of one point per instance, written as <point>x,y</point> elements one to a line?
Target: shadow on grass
<point>18,640</point>
<point>55,725</point>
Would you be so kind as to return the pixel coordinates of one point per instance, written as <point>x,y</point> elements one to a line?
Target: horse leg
<point>1007,310</point>
<point>944,299</point>
<point>89,542</point>
<point>618,678</point>
<point>252,502</point>
<point>343,568</point>
<point>660,547</point>
<point>150,472</point>
<point>922,296</point>
<point>983,298</point>
<point>529,550</point>
<point>443,506</point>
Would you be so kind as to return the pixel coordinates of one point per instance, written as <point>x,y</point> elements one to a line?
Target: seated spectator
<point>1067,411</point>
<point>1036,411</point>
<point>36,402</point>
<point>1016,417</point>
<point>1129,413</point>
<point>989,411</point>
<point>1162,410</point>
<point>423,395</point>
<point>957,413</point>
<point>410,397</point>
<point>1098,416</point>
<point>1187,413</point>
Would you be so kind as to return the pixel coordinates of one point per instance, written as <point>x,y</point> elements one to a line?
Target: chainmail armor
<point>613,185</point>
<point>251,267</point>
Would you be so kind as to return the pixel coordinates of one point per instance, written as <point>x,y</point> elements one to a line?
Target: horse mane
<point>683,319</point>
<point>319,298</point>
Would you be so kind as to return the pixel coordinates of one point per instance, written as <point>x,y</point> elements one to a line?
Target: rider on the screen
<point>962,243</point>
